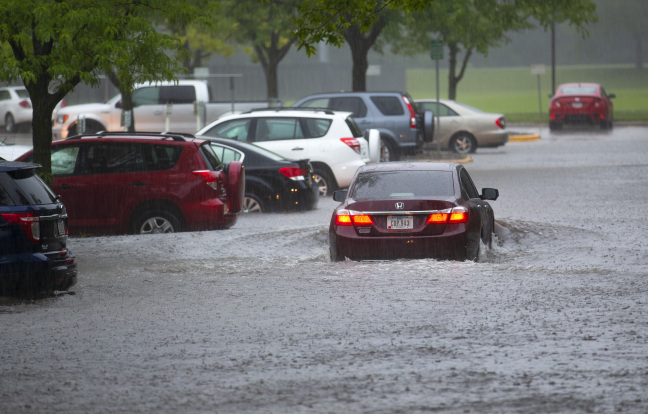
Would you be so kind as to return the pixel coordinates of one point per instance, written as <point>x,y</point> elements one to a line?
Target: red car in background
<point>581,103</point>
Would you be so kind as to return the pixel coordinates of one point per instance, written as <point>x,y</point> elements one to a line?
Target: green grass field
<point>514,91</point>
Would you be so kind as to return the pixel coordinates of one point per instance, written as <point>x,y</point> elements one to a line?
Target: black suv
<point>33,234</point>
<point>403,126</point>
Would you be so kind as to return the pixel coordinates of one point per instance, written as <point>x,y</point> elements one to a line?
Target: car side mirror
<point>339,195</point>
<point>119,104</point>
<point>489,194</point>
<point>611,96</point>
<point>551,95</point>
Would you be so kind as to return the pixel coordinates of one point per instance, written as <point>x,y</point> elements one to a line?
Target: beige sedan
<point>464,128</point>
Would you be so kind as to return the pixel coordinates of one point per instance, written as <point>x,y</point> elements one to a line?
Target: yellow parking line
<point>525,137</point>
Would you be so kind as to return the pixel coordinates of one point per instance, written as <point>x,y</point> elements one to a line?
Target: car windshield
<point>22,93</point>
<point>578,90</point>
<point>379,185</point>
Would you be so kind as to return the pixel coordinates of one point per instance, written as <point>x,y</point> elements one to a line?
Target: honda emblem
<point>400,205</point>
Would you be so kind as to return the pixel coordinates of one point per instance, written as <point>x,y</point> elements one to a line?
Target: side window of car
<point>315,127</point>
<point>158,157</point>
<point>112,158</point>
<point>146,96</point>
<point>177,94</point>
<point>226,154</point>
<point>349,104</point>
<point>4,95</point>
<point>276,129</point>
<point>467,184</point>
<point>64,159</point>
<point>237,129</point>
<point>388,105</point>
<point>317,103</point>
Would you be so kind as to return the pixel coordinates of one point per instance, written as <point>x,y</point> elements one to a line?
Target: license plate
<point>400,222</point>
<point>577,104</point>
<point>61,228</point>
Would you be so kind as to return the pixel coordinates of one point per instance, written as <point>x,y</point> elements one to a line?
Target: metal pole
<point>539,99</point>
<point>438,127</point>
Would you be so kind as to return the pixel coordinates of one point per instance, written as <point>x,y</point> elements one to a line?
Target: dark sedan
<point>411,210</point>
<point>272,183</point>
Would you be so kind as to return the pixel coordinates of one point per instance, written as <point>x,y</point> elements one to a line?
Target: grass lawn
<point>514,91</point>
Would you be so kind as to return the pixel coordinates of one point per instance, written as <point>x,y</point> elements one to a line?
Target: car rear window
<point>213,162</point>
<point>379,185</point>
<point>388,105</point>
<point>353,126</point>
<point>22,187</point>
<point>284,128</point>
<point>349,104</point>
<point>578,90</point>
<point>22,93</point>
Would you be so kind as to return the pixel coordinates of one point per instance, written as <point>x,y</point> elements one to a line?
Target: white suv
<point>332,141</point>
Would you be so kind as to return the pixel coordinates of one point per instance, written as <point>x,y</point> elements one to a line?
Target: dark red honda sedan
<point>411,210</point>
<point>581,103</point>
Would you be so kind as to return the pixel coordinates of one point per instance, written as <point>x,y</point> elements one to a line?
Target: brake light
<point>411,111</point>
<point>501,123</point>
<point>346,218</point>
<point>294,173</point>
<point>24,104</point>
<point>210,178</point>
<point>436,218</point>
<point>28,222</point>
<point>456,215</point>
<point>353,143</point>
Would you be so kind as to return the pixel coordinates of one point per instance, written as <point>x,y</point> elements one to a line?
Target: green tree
<point>56,44</point>
<point>266,30</point>
<point>628,17</point>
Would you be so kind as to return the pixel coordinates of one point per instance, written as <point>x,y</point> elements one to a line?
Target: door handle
<point>298,149</point>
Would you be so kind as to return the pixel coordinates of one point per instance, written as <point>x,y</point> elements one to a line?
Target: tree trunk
<point>453,77</point>
<point>360,46</point>
<point>126,101</point>
<point>270,56</point>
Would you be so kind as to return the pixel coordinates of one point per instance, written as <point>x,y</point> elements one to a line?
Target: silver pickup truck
<point>183,106</point>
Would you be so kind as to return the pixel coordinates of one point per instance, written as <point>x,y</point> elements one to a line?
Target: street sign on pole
<point>436,49</point>
<point>538,70</point>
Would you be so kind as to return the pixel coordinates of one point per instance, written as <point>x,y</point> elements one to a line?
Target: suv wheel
<point>388,151</point>
<point>324,180</point>
<point>154,221</point>
<point>463,143</point>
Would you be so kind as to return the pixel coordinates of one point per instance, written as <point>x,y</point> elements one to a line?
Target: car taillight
<point>456,215</point>
<point>411,111</point>
<point>294,173</point>
<point>211,179</point>
<point>353,143</point>
<point>28,222</point>
<point>24,104</point>
<point>347,218</point>
<point>501,123</point>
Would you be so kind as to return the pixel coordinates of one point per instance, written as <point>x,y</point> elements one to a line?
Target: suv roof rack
<point>292,108</point>
<point>175,136</point>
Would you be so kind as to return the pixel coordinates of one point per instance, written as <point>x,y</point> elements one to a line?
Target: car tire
<point>428,126</point>
<point>10,123</point>
<point>463,143</point>
<point>388,151</point>
<point>555,126</point>
<point>334,254</point>
<point>156,221</point>
<point>252,204</point>
<point>324,180</point>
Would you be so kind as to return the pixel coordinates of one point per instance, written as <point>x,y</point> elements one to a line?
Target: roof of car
<point>163,136</point>
<point>289,112</point>
<point>411,166</point>
<point>15,165</point>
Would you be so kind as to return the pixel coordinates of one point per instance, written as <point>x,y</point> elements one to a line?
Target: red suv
<point>115,182</point>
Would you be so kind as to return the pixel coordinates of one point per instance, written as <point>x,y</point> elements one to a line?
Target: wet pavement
<point>256,319</point>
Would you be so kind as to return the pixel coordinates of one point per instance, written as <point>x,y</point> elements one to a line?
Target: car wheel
<point>335,255</point>
<point>463,143</point>
<point>324,180</point>
<point>388,151</point>
<point>252,204</point>
<point>555,126</point>
<point>156,221</point>
<point>10,123</point>
<point>605,124</point>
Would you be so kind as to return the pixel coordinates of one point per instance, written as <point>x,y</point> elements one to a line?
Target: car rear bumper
<point>578,117</point>
<point>207,215</point>
<point>36,272</point>
<point>451,245</point>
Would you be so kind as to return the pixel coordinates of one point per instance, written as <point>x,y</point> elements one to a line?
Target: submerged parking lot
<point>257,319</point>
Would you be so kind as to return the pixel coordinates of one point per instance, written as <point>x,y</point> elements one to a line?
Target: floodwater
<point>256,319</point>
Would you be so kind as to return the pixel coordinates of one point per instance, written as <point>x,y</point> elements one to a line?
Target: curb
<point>524,138</point>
